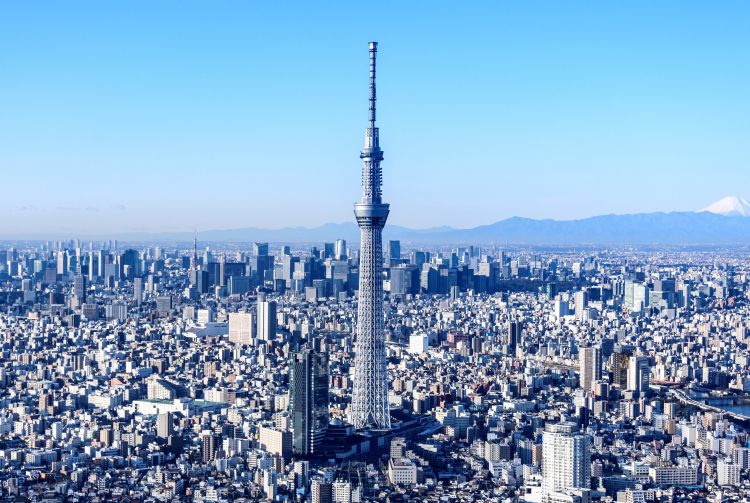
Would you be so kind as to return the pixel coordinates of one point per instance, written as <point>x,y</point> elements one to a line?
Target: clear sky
<point>165,116</point>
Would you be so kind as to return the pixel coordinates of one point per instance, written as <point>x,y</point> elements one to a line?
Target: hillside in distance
<point>675,229</point>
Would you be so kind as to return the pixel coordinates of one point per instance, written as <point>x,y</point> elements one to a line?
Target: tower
<point>590,360</point>
<point>370,395</point>
<point>638,373</point>
<point>266,318</point>
<point>566,458</point>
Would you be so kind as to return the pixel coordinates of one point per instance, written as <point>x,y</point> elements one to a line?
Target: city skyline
<point>184,317</point>
<point>128,120</point>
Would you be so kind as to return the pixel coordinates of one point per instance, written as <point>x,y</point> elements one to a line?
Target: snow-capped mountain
<point>730,206</point>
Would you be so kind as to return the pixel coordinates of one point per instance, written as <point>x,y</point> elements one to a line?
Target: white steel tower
<point>370,396</point>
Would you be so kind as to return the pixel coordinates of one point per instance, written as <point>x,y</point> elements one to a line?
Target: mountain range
<point>725,222</point>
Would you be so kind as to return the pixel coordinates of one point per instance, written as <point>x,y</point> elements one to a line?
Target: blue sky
<point>173,115</point>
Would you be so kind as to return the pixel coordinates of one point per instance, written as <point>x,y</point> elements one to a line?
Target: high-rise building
<point>619,362</point>
<point>728,473</point>
<point>308,400</point>
<point>260,249</point>
<point>581,301</point>
<point>639,373</point>
<point>340,250</point>
<point>566,458</point>
<point>92,267</point>
<point>394,251</point>
<point>275,441</point>
<point>370,394</point>
<point>241,328</point>
<point>590,360</point>
<point>164,425</point>
<point>321,491</point>
<point>266,313</point>
<point>79,287</point>
<point>62,263</point>
<point>513,340</point>
<point>138,290</point>
<point>210,443</point>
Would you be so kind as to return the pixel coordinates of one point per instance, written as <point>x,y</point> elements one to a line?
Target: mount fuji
<point>730,206</point>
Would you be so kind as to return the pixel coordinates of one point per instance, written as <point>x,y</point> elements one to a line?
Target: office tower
<point>138,290</point>
<point>590,360</point>
<point>261,262</point>
<point>340,250</point>
<point>328,250</point>
<point>514,337</point>
<point>241,328</point>
<point>370,394</point>
<point>79,287</point>
<point>308,400</point>
<point>566,458</point>
<point>260,249</point>
<point>394,251</point>
<point>581,301</point>
<point>202,281</point>
<point>92,267</point>
<point>639,374</point>
<point>266,313</point>
<point>619,362</point>
<point>321,491</point>
<point>164,425</point>
<point>100,262</point>
<point>62,263</point>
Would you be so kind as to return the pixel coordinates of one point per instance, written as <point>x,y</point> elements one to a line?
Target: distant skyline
<point>172,116</point>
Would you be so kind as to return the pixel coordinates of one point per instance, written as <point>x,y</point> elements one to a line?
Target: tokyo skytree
<point>370,396</point>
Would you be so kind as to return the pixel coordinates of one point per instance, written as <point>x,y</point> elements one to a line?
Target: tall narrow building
<point>266,316</point>
<point>370,395</point>
<point>566,458</point>
<point>308,400</point>
<point>590,366</point>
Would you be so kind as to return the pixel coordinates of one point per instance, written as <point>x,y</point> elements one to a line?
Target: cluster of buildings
<point>135,385</point>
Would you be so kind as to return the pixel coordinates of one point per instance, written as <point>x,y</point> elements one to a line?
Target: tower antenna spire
<point>373,93</point>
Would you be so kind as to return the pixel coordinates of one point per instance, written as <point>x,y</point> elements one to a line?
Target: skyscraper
<point>590,359</point>
<point>340,250</point>
<point>639,373</point>
<point>138,290</point>
<point>370,395</point>
<point>308,400</point>
<point>266,313</point>
<point>241,328</point>
<point>566,458</point>
<point>79,287</point>
<point>394,251</point>
<point>164,425</point>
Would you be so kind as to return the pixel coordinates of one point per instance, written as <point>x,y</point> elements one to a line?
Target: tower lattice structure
<point>370,395</point>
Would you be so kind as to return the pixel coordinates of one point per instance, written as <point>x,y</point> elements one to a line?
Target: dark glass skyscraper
<point>308,400</point>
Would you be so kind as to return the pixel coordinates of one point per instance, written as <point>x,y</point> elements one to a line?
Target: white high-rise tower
<point>566,458</point>
<point>370,395</point>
